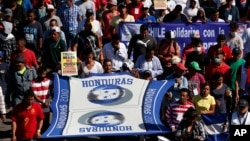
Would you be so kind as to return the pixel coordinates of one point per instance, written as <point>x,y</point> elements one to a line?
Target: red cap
<point>104,2</point>
<point>181,66</point>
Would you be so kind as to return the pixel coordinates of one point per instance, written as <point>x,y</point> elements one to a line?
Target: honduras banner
<point>102,105</point>
<point>214,127</point>
<point>208,32</point>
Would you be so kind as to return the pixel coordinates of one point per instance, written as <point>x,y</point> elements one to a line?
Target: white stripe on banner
<point>214,129</point>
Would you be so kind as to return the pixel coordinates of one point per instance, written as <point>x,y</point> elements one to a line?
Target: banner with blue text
<point>208,31</point>
<point>99,106</point>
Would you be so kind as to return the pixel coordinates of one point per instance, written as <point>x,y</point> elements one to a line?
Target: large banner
<point>208,31</point>
<point>99,105</point>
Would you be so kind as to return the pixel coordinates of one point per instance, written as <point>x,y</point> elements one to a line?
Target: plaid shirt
<point>7,47</point>
<point>69,17</point>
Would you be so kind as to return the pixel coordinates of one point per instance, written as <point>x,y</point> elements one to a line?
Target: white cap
<point>56,28</point>
<point>176,59</point>
<point>50,6</point>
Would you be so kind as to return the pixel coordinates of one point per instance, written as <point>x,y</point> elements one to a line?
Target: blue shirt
<point>148,19</point>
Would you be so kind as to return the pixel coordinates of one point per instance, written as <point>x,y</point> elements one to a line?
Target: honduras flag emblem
<point>214,127</point>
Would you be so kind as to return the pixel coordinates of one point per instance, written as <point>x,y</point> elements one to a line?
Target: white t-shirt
<point>97,68</point>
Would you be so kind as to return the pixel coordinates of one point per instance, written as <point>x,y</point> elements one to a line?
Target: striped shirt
<point>43,90</point>
<point>175,111</point>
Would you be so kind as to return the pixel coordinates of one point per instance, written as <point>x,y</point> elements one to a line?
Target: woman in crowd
<point>219,91</point>
<point>90,65</point>
<point>200,17</point>
<point>204,102</point>
<point>190,129</point>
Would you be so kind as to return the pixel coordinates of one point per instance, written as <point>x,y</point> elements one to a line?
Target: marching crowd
<point>33,33</point>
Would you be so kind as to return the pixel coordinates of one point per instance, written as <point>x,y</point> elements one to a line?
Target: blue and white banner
<point>214,127</point>
<point>106,105</point>
<point>208,31</point>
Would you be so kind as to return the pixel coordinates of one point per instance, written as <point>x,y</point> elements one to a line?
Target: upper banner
<point>208,31</point>
<point>99,105</point>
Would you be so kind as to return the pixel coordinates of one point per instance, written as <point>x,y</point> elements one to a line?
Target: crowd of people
<point>33,33</point>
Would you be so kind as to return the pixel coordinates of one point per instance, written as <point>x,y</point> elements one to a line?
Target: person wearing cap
<point>19,80</point>
<point>70,14</point>
<point>107,17</point>
<point>199,56</point>
<point>85,6</point>
<point>96,25</point>
<point>242,115</point>
<point>220,46</point>
<point>149,61</point>
<point>218,65</point>
<point>235,63</point>
<point>50,14</point>
<point>195,40</point>
<point>123,17</point>
<point>180,80</point>
<point>233,40</point>
<point>166,49</point>
<point>134,8</point>
<point>175,16</point>
<point>233,15</point>
<point>53,47</point>
<point>195,78</point>
<point>8,41</point>
<point>140,42</point>
<point>145,16</point>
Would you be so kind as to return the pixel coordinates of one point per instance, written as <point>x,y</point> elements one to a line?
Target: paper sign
<point>160,4</point>
<point>69,63</point>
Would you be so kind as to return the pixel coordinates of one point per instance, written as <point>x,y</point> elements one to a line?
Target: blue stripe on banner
<point>209,119</point>
<point>60,105</point>
<point>218,137</point>
<point>152,105</point>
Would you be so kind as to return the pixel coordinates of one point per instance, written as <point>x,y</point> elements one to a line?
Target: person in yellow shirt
<point>123,17</point>
<point>205,102</point>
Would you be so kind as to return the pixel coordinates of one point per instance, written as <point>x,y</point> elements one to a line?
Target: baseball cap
<point>128,64</point>
<point>56,29</point>
<point>8,12</point>
<point>195,34</point>
<point>181,66</point>
<point>19,58</point>
<point>50,6</point>
<point>113,2</point>
<point>176,59</point>
<point>195,65</point>
<point>236,51</point>
<point>243,103</point>
<point>1,54</point>
<point>121,5</point>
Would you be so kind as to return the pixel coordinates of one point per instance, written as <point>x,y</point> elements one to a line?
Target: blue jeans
<point>70,36</point>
